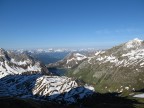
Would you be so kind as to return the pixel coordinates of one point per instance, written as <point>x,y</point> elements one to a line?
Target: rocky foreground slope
<point>42,87</point>
<point>22,76</point>
<point>118,69</point>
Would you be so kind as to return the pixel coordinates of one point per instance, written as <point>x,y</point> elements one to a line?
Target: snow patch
<point>133,43</point>
<point>139,96</point>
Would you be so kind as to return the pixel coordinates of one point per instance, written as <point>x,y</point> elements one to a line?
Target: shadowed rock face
<point>107,100</point>
<point>118,69</point>
<point>42,87</point>
<point>12,63</point>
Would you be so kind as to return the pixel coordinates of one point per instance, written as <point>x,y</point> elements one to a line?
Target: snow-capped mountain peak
<point>134,43</point>
<point>137,39</point>
<point>70,61</point>
<point>79,56</point>
<point>12,63</point>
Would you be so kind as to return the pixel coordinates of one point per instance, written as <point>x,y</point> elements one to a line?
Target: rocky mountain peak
<point>78,56</point>
<point>2,52</point>
<point>134,43</point>
<point>12,63</point>
<point>137,39</point>
<point>70,61</point>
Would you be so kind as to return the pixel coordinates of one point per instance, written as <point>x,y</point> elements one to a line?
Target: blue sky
<point>70,23</point>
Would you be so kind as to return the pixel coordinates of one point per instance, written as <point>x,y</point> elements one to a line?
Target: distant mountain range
<point>51,50</point>
<point>52,55</point>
